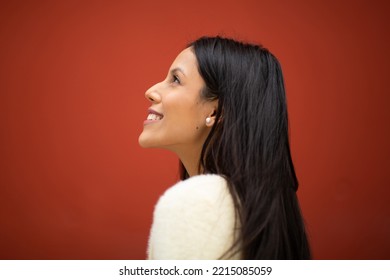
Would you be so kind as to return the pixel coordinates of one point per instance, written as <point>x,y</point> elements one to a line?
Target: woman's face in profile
<point>176,117</point>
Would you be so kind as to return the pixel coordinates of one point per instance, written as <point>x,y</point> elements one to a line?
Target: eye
<point>175,79</point>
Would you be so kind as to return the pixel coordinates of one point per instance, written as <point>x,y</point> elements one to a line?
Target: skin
<point>183,129</point>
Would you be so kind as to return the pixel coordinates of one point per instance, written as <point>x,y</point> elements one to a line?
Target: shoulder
<point>194,219</point>
<point>202,188</point>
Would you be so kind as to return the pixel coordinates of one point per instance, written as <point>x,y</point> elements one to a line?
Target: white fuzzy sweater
<point>194,219</point>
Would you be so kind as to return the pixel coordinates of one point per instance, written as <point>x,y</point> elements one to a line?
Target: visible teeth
<point>153,117</point>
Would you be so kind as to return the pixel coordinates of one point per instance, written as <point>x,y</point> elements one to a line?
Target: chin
<point>146,142</point>
<point>142,142</point>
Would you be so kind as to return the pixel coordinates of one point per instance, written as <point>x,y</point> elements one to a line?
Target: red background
<point>74,184</point>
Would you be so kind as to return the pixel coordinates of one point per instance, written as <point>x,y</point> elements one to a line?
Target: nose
<point>153,95</point>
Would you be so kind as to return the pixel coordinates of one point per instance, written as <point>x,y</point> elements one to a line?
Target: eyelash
<point>175,79</point>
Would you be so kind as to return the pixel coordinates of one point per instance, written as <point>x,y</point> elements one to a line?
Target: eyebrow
<point>177,69</point>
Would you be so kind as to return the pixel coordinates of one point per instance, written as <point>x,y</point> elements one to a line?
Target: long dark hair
<point>249,146</point>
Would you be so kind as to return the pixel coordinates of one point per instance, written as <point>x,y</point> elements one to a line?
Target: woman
<point>222,110</point>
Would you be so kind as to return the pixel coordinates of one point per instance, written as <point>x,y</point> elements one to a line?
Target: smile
<point>153,117</point>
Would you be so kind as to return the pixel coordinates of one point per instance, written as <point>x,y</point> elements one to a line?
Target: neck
<point>190,159</point>
<point>191,167</point>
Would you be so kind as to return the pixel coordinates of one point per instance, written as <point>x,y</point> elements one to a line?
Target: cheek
<point>183,127</point>
<point>181,110</point>
<point>186,116</point>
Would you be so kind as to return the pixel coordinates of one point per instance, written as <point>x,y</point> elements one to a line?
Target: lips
<point>155,113</point>
<point>153,116</point>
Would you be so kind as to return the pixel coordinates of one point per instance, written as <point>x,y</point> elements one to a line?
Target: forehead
<point>186,60</point>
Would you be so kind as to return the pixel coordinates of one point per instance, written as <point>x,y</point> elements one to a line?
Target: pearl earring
<point>208,120</point>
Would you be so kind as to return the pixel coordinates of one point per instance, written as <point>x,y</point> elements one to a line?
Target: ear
<point>210,119</point>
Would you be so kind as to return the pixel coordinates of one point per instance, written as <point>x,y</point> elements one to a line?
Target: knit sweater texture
<point>194,219</point>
